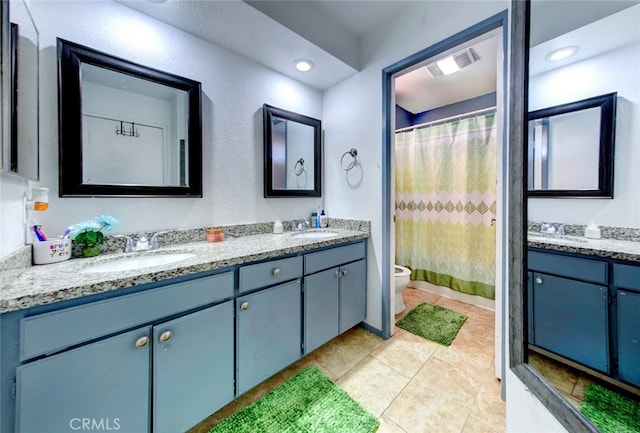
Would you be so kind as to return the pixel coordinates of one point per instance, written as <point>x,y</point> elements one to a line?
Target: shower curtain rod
<point>446,119</point>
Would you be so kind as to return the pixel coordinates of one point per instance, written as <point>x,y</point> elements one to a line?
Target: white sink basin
<point>129,263</point>
<point>314,234</point>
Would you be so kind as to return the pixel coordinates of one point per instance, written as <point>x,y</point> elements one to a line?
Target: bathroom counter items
<point>40,285</point>
<point>611,248</point>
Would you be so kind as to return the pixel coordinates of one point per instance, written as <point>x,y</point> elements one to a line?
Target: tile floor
<point>411,384</point>
<point>571,382</point>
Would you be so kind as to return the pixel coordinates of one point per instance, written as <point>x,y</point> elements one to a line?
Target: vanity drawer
<point>269,273</point>
<point>326,259</point>
<point>577,268</point>
<point>54,331</point>
<point>626,276</point>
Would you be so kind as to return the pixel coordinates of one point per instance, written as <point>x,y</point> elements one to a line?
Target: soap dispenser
<point>277,227</point>
<point>592,231</point>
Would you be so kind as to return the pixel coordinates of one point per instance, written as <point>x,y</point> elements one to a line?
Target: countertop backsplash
<point>606,232</point>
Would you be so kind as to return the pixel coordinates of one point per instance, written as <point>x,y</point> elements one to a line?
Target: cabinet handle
<point>345,272</point>
<point>166,336</point>
<point>338,274</point>
<point>538,280</point>
<point>244,306</point>
<point>276,272</point>
<point>141,342</point>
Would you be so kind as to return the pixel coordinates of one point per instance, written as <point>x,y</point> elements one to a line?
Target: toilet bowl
<point>402,276</point>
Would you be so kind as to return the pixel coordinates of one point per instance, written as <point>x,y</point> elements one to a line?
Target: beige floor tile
<point>341,354</point>
<point>558,375</point>
<point>405,352</point>
<point>475,425</point>
<point>472,358</point>
<point>490,408</point>
<point>434,415</point>
<point>373,384</point>
<point>388,426</point>
<point>579,388</point>
<point>454,305</point>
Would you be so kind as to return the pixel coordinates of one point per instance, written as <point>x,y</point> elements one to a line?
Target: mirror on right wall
<point>582,297</point>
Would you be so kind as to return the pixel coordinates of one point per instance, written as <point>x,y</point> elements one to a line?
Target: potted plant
<point>89,234</point>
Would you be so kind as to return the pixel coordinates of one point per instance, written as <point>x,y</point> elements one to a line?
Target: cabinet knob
<point>166,336</point>
<point>141,342</point>
<point>276,272</point>
<point>345,272</point>
<point>244,306</point>
<point>538,280</point>
<point>338,274</point>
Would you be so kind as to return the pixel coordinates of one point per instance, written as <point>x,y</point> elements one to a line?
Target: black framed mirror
<point>24,94</point>
<point>292,154</point>
<point>579,134</point>
<point>126,129</point>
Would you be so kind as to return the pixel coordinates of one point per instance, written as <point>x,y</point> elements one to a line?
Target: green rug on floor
<point>309,402</point>
<point>609,411</point>
<point>433,323</point>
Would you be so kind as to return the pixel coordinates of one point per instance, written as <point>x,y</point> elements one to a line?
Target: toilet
<point>402,276</point>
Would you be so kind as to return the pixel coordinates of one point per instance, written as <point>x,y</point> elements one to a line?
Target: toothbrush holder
<point>52,251</point>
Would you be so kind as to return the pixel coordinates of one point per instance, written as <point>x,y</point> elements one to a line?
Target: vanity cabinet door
<point>321,308</point>
<point>570,319</point>
<point>629,336</point>
<point>353,294</point>
<point>268,333</point>
<point>193,368</point>
<point>101,386</point>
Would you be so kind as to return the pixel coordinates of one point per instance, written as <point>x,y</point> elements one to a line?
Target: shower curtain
<point>446,204</point>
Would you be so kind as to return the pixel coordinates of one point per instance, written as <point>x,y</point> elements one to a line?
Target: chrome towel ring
<point>298,171</point>
<point>354,154</point>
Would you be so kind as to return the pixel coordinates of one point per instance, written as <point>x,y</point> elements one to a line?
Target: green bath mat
<point>609,411</point>
<point>433,323</point>
<point>309,402</point>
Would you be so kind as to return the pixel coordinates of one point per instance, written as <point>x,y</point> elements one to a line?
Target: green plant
<point>90,233</point>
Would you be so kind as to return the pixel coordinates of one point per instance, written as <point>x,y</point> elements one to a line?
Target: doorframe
<point>479,29</point>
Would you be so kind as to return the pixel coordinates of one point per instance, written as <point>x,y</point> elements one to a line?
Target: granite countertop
<point>46,284</point>
<point>611,248</point>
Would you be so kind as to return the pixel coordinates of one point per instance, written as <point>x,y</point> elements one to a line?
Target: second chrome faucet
<point>141,242</point>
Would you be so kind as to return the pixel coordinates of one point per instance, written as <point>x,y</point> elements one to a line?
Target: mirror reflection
<point>127,120</point>
<point>24,92</point>
<point>578,134</point>
<point>292,153</point>
<point>583,297</point>
<point>126,129</point>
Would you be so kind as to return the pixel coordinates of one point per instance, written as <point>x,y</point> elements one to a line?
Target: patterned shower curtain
<point>446,204</point>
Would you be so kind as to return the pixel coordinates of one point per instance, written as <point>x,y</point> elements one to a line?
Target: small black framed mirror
<point>126,129</point>
<point>292,154</point>
<point>571,149</point>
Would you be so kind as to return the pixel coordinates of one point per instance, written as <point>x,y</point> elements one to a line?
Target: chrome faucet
<point>141,242</point>
<point>299,225</point>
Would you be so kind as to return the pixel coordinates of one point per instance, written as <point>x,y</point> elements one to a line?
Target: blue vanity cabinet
<point>193,368</point>
<point>268,332</point>
<point>173,369</point>
<point>627,282</point>
<point>629,336</point>
<point>335,293</point>
<point>105,384</point>
<point>569,305</point>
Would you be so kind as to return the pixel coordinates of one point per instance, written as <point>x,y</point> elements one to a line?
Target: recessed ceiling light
<point>448,65</point>
<point>561,53</point>
<point>303,65</point>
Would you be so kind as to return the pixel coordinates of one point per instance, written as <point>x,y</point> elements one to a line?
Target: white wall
<point>615,71</point>
<point>234,89</point>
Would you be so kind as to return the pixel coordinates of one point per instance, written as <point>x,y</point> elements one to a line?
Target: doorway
<point>493,27</point>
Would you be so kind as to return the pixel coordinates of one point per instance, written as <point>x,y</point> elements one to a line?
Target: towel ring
<point>354,153</point>
<point>298,171</point>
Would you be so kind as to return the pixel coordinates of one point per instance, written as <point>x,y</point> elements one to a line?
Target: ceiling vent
<point>452,64</point>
